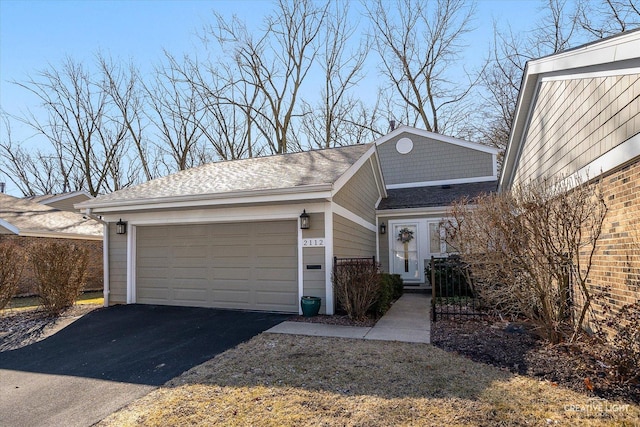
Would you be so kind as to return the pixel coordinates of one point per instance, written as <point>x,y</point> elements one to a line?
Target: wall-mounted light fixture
<point>304,220</point>
<point>121,227</point>
<point>383,228</point>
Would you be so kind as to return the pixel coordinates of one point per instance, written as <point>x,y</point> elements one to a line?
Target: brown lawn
<point>285,380</point>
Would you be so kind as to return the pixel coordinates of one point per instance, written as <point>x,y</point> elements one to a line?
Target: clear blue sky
<point>36,34</point>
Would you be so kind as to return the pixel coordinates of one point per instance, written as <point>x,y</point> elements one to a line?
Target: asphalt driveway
<point>112,356</point>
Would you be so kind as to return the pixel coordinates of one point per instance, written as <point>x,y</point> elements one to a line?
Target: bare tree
<point>342,67</point>
<point>84,140</point>
<point>604,18</point>
<point>273,62</point>
<point>177,112</point>
<point>554,32</point>
<point>418,42</point>
<point>123,88</point>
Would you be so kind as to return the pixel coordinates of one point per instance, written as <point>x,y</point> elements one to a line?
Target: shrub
<point>357,284</point>
<point>11,265</point>
<point>385,295</point>
<point>449,278</point>
<point>397,285</point>
<point>60,270</point>
<point>525,247</point>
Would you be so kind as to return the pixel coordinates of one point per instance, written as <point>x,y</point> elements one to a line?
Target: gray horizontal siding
<point>117,266</point>
<point>431,160</point>
<point>351,239</point>
<point>361,193</point>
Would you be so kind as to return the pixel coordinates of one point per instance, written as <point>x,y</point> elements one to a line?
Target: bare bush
<point>60,270</point>
<point>11,266</point>
<point>529,249</point>
<point>357,284</point>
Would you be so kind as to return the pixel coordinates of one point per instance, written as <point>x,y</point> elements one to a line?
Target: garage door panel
<point>240,265</point>
<point>190,294</point>
<point>232,296</point>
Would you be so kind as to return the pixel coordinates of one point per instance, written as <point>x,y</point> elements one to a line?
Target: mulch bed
<point>338,319</point>
<point>581,366</point>
<point>19,328</point>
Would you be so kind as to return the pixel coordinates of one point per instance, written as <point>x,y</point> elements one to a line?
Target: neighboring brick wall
<point>28,285</point>
<point>616,263</point>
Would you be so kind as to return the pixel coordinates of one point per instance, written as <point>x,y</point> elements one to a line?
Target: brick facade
<point>28,285</point>
<point>616,263</point>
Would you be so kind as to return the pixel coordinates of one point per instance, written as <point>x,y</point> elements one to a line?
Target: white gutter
<point>236,197</point>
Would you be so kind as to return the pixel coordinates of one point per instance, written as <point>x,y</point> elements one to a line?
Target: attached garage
<point>230,235</point>
<point>250,265</point>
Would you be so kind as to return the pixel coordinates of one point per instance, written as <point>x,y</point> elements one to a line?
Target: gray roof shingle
<point>32,217</point>
<point>435,196</point>
<point>284,171</point>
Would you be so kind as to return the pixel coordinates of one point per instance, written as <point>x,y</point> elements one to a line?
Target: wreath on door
<point>405,235</point>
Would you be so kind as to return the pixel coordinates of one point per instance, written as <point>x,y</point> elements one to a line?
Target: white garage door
<point>249,266</point>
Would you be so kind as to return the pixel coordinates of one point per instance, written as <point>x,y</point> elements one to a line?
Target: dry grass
<point>284,380</point>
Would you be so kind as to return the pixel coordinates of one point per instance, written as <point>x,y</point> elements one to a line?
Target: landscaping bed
<point>24,326</point>
<point>582,366</point>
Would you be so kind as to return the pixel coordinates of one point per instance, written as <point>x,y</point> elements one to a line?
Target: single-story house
<point>578,115</point>
<point>24,222</point>
<point>233,234</point>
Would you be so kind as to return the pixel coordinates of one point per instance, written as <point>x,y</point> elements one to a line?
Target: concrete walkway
<point>408,320</point>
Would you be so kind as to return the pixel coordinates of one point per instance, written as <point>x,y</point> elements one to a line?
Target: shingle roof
<point>32,217</point>
<point>435,196</point>
<point>285,171</point>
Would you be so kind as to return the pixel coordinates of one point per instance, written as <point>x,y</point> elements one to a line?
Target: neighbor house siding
<point>117,266</point>
<point>361,193</point>
<point>431,160</point>
<point>576,121</point>
<point>352,240</point>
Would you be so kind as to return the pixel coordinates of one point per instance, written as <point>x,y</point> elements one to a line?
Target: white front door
<point>405,250</point>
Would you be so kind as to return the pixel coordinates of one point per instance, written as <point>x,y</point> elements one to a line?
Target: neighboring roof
<point>308,171</point>
<point>622,50</point>
<point>435,196</point>
<point>28,218</point>
<point>46,199</point>
<point>438,137</point>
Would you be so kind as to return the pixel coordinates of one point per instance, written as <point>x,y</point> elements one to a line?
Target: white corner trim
<point>300,266</point>
<point>328,258</point>
<point>345,213</point>
<point>131,264</point>
<point>610,160</point>
<point>444,182</point>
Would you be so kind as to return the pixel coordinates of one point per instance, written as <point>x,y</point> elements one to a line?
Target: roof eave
<point>190,201</point>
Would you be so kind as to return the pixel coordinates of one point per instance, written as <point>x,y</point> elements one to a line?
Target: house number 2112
<point>313,243</point>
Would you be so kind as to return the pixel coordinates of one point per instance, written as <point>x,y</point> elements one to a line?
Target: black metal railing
<point>342,261</point>
<point>452,294</point>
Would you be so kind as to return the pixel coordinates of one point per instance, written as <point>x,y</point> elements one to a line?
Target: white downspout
<point>105,263</point>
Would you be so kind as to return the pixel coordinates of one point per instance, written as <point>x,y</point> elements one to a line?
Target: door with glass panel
<point>405,251</point>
